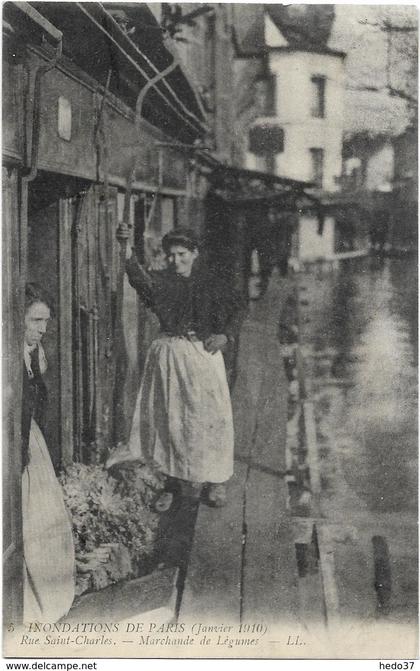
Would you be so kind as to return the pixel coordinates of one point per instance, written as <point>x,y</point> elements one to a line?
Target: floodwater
<point>358,335</point>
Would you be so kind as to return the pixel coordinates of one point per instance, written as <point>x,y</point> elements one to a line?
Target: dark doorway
<point>50,221</point>
<point>43,219</point>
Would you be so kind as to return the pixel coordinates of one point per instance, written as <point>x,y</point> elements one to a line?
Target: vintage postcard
<point>210,330</point>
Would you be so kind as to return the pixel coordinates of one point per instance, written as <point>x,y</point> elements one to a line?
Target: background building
<point>300,121</point>
<point>380,118</point>
<point>326,93</point>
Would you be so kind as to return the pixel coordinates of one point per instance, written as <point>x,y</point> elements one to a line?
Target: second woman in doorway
<point>48,550</point>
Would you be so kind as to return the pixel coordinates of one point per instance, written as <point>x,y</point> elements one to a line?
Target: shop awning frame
<point>241,185</point>
<point>100,18</point>
<point>237,185</point>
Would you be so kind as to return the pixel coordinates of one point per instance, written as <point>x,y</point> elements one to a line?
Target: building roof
<point>300,28</point>
<point>306,27</point>
<point>248,24</point>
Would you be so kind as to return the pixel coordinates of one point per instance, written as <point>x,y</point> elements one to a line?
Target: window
<point>318,96</point>
<point>317,157</point>
<point>263,96</point>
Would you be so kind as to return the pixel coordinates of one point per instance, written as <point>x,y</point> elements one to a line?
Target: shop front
<point>83,173</point>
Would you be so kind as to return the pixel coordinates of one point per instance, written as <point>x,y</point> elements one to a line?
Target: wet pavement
<point>358,338</point>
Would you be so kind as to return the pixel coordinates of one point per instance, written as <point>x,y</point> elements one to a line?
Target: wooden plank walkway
<point>242,564</point>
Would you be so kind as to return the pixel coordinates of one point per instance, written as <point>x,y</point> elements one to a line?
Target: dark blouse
<point>203,303</point>
<point>34,401</point>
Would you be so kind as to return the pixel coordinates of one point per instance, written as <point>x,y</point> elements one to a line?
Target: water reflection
<point>359,332</point>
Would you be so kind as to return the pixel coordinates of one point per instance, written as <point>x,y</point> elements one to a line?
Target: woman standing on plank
<point>183,418</point>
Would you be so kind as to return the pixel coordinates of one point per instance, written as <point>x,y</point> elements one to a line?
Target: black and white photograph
<point>210,349</point>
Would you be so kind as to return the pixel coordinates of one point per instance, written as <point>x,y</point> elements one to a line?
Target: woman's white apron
<point>183,418</point>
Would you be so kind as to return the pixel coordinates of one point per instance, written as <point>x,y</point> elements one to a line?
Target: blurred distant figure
<point>378,230</point>
<point>271,237</point>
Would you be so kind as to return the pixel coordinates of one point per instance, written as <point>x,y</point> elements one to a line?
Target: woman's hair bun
<point>184,237</point>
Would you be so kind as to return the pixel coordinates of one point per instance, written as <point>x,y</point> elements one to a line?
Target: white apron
<point>49,565</point>
<point>182,423</point>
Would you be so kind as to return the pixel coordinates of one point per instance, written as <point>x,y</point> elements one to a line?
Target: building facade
<point>304,111</point>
